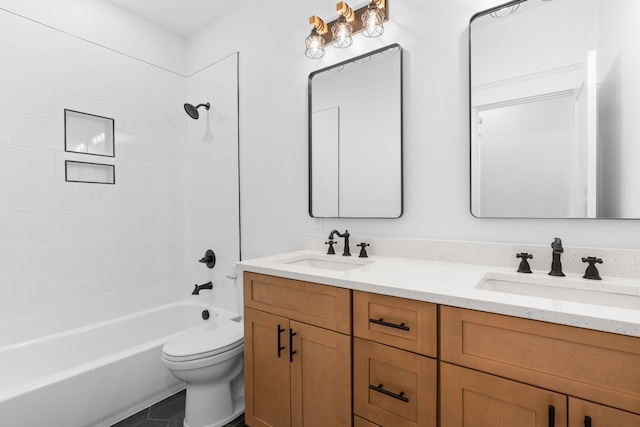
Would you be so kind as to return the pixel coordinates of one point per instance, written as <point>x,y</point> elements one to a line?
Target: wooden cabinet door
<point>266,370</point>
<point>474,399</point>
<point>588,414</point>
<point>320,377</point>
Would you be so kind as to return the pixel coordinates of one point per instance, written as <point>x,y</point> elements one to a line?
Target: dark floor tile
<point>177,421</point>
<point>153,423</point>
<point>238,422</point>
<point>168,408</point>
<point>134,419</point>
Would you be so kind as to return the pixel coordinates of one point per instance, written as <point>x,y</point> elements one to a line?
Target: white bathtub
<point>96,375</point>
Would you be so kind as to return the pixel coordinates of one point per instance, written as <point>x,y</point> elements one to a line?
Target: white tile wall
<point>5,60</point>
<point>25,34</point>
<point>5,120</point>
<point>73,253</point>
<point>37,132</point>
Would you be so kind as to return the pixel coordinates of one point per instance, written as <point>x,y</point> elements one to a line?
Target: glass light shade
<point>342,31</point>
<point>315,45</point>
<point>372,20</point>
<point>505,11</point>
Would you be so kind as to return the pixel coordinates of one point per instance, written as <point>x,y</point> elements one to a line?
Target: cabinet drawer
<point>398,322</point>
<point>392,387</point>
<point>592,365</point>
<point>600,416</point>
<point>320,305</point>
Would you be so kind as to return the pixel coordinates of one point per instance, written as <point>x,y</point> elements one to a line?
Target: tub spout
<point>198,288</point>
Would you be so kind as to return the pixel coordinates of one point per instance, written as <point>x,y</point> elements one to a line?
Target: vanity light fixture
<point>315,41</point>
<point>372,20</point>
<point>342,30</point>
<point>339,32</point>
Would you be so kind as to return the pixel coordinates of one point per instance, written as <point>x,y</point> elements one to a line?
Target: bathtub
<point>95,375</point>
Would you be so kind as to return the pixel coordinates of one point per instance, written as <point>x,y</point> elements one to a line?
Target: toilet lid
<point>217,337</point>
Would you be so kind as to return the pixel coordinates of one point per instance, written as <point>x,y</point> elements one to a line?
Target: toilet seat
<point>216,338</point>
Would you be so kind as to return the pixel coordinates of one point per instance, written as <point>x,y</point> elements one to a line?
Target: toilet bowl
<point>210,360</point>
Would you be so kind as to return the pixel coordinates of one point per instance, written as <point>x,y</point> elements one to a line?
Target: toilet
<point>210,360</point>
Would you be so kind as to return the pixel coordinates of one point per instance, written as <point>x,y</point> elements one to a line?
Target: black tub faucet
<point>344,235</point>
<point>198,288</point>
<point>556,265</point>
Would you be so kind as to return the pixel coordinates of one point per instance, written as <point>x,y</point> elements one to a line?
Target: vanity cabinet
<point>501,358</point>
<point>589,414</point>
<point>395,370</point>
<point>297,353</point>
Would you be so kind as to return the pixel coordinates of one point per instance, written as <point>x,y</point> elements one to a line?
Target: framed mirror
<point>553,100</point>
<point>355,137</point>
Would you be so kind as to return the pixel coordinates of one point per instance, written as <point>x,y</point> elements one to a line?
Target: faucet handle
<point>592,272</point>
<point>363,251</point>
<point>524,264</point>
<point>331,251</point>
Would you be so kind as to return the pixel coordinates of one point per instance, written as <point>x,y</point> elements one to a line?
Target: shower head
<point>193,111</point>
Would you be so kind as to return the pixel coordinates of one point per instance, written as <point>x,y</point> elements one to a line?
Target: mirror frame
<point>471,131</point>
<point>401,136</point>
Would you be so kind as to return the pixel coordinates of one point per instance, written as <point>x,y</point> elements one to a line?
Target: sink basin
<point>337,264</point>
<point>564,289</point>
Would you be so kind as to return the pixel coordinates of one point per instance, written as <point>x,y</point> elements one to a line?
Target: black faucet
<point>592,272</point>
<point>556,265</point>
<point>344,235</point>
<point>198,288</point>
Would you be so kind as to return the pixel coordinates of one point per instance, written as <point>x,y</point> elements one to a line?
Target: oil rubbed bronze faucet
<point>198,288</point>
<point>556,265</point>
<point>344,235</point>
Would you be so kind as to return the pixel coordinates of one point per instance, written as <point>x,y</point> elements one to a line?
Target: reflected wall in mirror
<point>355,137</point>
<point>554,95</point>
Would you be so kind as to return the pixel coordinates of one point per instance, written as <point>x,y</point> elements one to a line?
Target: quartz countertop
<point>454,284</point>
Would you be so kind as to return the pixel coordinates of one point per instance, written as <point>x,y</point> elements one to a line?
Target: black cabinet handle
<point>587,421</point>
<point>552,416</point>
<point>291,351</point>
<point>391,325</point>
<point>379,389</point>
<point>280,346</point>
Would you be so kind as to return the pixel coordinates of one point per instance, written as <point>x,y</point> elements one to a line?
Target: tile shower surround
<point>73,254</point>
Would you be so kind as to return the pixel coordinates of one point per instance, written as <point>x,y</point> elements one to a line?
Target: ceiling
<point>182,17</point>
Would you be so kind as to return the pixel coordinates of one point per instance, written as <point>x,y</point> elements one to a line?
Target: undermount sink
<point>564,289</point>
<point>337,264</point>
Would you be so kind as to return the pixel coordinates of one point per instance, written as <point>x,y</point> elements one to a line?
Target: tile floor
<point>166,413</point>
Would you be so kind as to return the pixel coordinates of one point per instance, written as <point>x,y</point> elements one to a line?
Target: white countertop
<point>454,284</point>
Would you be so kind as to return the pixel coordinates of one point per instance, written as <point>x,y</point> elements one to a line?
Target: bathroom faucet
<point>198,288</point>
<point>556,265</point>
<point>345,235</point>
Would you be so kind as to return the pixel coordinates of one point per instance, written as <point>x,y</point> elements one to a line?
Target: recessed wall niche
<point>93,173</point>
<point>88,134</point>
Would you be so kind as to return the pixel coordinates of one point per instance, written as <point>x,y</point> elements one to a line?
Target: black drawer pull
<point>379,389</point>
<point>291,351</point>
<point>552,416</point>
<point>280,346</point>
<point>587,421</point>
<point>391,325</point>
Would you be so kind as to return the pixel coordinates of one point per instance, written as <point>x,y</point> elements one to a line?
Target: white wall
<point>273,128</point>
<point>105,24</point>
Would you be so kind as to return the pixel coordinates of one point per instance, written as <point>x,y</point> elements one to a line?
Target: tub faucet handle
<point>209,258</point>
